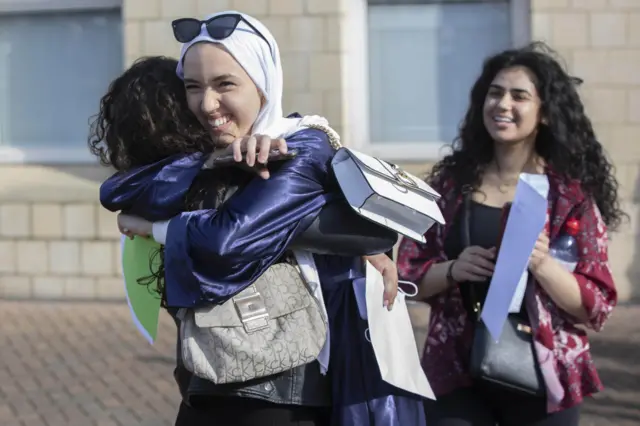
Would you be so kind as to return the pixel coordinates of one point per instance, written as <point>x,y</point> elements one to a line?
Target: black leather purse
<point>511,362</point>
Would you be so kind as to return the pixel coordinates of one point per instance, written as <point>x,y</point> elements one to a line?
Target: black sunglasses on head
<point>219,27</point>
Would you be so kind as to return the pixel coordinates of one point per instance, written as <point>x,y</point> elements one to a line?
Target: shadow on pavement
<point>157,359</point>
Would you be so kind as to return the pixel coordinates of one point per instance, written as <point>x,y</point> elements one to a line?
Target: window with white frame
<point>423,58</point>
<point>57,59</point>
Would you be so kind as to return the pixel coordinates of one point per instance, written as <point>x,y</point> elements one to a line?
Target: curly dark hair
<point>144,117</point>
<point>566,141</point>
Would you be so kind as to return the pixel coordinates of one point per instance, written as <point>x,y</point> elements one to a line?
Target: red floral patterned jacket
<point>561,347</point>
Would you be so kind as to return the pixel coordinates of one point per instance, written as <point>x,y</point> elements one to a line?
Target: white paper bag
<point>392,338</point>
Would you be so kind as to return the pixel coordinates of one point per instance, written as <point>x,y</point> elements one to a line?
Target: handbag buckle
<point>252,311</point>
<point>523,328</point>
<point>402,177</point>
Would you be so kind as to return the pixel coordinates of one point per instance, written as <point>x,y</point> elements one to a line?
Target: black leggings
<point>230,411</point>
<point>490,407</point>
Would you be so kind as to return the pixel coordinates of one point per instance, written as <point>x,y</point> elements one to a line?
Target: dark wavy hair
<point>566,141</point>
<point>144,117</point>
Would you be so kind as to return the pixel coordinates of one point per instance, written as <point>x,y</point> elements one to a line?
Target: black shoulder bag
<point>510,363</point>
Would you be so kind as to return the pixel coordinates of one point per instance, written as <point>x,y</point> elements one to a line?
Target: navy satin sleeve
<point>210,255</point>
<point>155,191</point>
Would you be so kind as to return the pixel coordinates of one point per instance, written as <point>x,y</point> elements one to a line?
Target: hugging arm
<point>210,255</point>
<point>154,191</point>
<point>157,191</point>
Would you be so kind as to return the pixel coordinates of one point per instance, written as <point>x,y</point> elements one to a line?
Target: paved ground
<point>83,365</point>
<point>64,364</point>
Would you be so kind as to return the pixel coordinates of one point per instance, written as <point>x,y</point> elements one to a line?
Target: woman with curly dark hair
<point>525,115</point>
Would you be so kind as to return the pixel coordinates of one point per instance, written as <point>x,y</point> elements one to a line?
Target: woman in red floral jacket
<point>525,116</point>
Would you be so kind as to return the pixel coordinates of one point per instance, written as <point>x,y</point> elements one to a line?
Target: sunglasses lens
<point>187,30</point>
<point>222,27</point>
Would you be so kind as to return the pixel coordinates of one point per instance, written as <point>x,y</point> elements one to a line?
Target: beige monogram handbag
<point>272,326</point>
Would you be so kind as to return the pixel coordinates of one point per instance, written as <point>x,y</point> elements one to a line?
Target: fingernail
<point>385,304</point>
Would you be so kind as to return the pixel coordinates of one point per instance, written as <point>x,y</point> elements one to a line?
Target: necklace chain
<point>505,184</point>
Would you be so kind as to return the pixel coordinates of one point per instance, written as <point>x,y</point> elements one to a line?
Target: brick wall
<point>55,251</point>
<point>600,41</point>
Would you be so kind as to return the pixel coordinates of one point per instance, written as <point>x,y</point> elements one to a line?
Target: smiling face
<point>220,92</point>
<point>511,111</point>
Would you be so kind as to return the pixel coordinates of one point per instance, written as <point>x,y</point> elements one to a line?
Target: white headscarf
<point>262,62</point>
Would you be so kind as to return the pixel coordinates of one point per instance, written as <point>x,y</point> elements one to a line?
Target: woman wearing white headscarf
<point>231,69</point>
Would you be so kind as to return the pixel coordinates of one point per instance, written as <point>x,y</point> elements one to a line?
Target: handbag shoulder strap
<point>334,137</point>
<point>465,231</point>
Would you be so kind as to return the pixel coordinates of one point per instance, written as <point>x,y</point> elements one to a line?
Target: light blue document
<point>526,220</point>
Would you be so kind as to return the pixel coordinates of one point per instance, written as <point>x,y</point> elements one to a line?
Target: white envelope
<point>541,184</point>
<point>392,338</point>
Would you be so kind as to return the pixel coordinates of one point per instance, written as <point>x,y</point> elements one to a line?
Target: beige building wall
<point>600,41</point>
<point>56,241</point>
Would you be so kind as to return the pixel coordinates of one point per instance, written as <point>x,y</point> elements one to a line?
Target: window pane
<point>53,70</point>
<point>423,60</point>
<point>376,2</point>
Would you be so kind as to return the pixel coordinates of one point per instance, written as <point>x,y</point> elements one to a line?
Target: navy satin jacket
<point>210,255</point>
